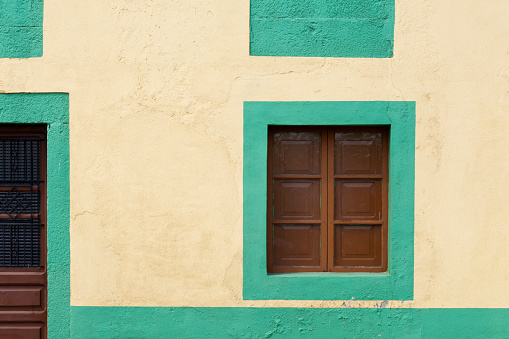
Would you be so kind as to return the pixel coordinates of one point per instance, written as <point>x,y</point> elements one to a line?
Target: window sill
<point>327,275</point>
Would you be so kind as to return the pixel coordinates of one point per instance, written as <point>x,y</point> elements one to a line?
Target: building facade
<point>165,209</point>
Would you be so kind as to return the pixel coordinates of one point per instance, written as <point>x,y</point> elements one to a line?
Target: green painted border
<point>221,322</point>
<point>21,28</point>
<point>397,283</point>
<point>322,28</point>
<point>51,109</point>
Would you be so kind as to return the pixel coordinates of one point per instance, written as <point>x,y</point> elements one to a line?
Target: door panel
<point>21,331</point>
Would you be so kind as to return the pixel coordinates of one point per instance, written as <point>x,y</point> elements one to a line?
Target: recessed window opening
<point>327,202</point>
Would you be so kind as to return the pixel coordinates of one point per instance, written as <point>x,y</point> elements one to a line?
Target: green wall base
<point>221,322</point>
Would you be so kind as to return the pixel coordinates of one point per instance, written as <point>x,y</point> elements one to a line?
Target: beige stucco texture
<point>156,93</point>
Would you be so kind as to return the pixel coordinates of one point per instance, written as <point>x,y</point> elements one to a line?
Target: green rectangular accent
<point>397,282</point>
<point>241,322</point>
<point>322,28</point>
<point>51,109</point>
<point>21,28</point>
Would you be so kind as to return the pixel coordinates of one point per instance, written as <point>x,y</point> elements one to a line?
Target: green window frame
<point>51,109</point>
<point>397,282</point>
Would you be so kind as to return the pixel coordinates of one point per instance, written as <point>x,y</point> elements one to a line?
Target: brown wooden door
<point>23,282</point>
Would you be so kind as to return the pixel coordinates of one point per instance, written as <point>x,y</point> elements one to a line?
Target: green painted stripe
<point>51,109</point>
<point>21,28</point>
<point>220,322</point>
<point>322,28</point>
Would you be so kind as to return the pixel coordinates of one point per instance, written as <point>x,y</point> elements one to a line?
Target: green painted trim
<point>21,28</point>
<point>222,322</point>
<point>322,28</point>
<point>397,283</point>
<point>51,109</point>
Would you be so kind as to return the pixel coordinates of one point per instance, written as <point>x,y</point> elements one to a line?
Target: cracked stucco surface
<point>156,93</point>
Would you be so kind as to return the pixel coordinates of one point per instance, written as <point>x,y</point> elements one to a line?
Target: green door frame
<point>51,109</point>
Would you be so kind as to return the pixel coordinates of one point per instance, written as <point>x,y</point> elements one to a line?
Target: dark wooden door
<point>23,282</point>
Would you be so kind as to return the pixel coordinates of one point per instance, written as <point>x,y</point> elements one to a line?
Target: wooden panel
<point>297,199</point>
<point>358,246</point>
<point>21,331</point>
<point>297,245</point>
<point>357,210</point>
<point>20,295</point>
<point>358,153</point>
<point>14,315</point>
<point>22,276</point>
<point>296,153</point>
<point>358,200</point>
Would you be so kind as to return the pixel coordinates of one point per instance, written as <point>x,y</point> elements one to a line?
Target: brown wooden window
<point>327,199</point>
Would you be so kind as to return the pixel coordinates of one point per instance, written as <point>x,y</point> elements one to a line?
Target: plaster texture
<point>156,112</point>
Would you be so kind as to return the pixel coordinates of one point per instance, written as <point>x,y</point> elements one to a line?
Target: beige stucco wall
<point>156,91</point>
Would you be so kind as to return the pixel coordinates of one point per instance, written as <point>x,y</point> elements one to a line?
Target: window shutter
<point>357,184</point>
<point>296,220</point>
<point>327,199</point>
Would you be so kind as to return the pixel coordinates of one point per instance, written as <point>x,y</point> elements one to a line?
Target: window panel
<point>358,200</point>
<point>297,245</point>
<point>297,153</point>
<point>296,199</point>
<point>358,246</point>
<point>358,153</point>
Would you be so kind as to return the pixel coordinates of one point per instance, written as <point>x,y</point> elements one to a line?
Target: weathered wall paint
<point>157,92</point>
<point>322,28</point>
<point>21,28</point>
<point>185,322</point>
<point>395,284</point>
<point>51,109</point>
